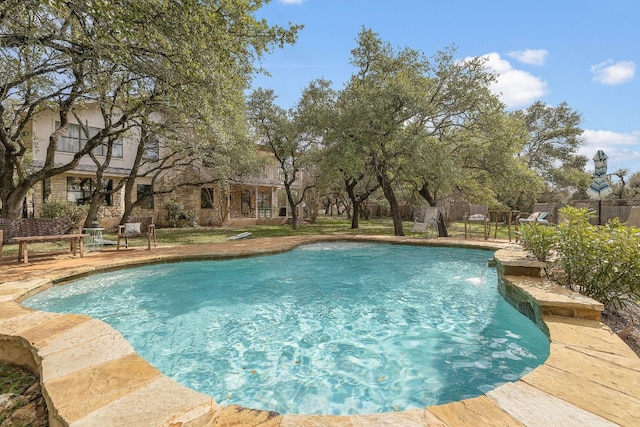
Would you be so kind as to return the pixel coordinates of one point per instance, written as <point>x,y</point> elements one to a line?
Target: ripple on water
<point>331,328</point>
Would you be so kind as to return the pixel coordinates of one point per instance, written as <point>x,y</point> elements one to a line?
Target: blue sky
<point>585,53</point>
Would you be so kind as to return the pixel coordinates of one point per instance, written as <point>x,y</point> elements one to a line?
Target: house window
<point>264,199</point>
<point>151,149</point>
<point>116,150</point>
<point>145,192</point>
<point>264,203</point>
<point>206,198</point>
<point>75,139</point>
<point>80,190</point>
<point>70,142</point>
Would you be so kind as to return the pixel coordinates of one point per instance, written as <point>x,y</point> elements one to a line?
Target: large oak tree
<point>131,56</point>
<point>430,125</point>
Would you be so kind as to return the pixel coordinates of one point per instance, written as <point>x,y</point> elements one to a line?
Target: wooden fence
<point>607,210</point>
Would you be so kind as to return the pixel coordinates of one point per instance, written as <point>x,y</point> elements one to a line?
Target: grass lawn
<point>14,379</point>
<point>324,226</point>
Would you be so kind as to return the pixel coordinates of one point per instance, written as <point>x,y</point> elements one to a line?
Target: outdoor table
<point>95,241</point>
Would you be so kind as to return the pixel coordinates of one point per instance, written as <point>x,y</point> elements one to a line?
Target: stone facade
<point>241,199</point>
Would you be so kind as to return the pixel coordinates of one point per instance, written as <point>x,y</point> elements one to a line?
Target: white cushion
<point>539,217</point>
<point>132,228</point>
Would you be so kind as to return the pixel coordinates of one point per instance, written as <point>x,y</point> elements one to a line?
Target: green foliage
<point>176,215</point>
<point>14,380</point>
<point>64,209</point>
<point>554,136</point>
<point>129,57</point>
<point>539,239</point>
<point>601,262</point>
<point>575,244</point>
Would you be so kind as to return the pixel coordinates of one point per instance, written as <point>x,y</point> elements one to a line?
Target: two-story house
<point>258,199</point>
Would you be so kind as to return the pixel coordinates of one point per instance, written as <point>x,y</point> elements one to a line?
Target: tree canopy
<point>131,57</point>
<point>428,127</point>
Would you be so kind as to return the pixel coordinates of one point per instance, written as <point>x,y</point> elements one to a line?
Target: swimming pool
<point>367,333</point>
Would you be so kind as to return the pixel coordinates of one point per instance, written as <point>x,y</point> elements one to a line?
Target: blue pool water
<point>330,328</point>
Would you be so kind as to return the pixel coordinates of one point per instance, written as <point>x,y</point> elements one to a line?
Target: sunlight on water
<point>331,328</point>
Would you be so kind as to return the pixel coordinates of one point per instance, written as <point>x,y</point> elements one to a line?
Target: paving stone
<point>42,333</point>
<point>408,418</point>
<point>10,310</point>
<point>92,351</point>
<point>161,402</point>
<point>614,405</point>
<point>23,319</point>
<point>480,411</point>
<point>234,415</point>
<point>595,370</point>
<point>78,334</point>
<point>587,334</point>
<point>533,407</point>
<point>98,386</point>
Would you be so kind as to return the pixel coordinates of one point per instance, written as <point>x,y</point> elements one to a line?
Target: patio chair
<point>137,227</point>
<point>427,218</point>
<point>477,214</point>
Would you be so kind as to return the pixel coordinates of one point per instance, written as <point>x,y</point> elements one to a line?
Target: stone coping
<point>91,376</point>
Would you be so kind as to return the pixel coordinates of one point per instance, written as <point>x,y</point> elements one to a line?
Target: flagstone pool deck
<point>91,376</point>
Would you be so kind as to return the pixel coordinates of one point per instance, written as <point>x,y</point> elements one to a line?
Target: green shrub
<point>576,248</point>
<point>173,211</point>
<point>176,215</point>
<point>64,209</point>
<point>601,262</point>
<point>539,239</point>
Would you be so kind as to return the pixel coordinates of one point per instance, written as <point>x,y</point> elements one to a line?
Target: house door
<point>245,203</point>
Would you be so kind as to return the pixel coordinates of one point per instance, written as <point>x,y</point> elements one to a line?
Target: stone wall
<point>522,284</point>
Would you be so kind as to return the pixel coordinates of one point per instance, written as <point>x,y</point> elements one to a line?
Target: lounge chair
<point>137,227</point>
<point>536,218</point>
<point>427,218</point>
<point>477,214</point>
<point>542,213</point>
<point>240,236</point>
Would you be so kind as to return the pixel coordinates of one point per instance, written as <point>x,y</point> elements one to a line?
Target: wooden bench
<point>38,230</point>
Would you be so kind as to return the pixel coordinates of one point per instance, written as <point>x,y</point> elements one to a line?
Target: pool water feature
<point>329,328</point>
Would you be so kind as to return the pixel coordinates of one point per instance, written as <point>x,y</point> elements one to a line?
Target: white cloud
<point>292,1</point>
<point>530,56</point>
<point>613,73</point>
<point>623,149</point>
<point>516,88</point>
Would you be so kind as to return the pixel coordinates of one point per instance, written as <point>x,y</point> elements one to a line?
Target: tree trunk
<point>12,205</point>
<point>355,219</point>
<point>128,203</point>
<point>92,213</point>
<point>293,206</point>
<point>390,195</point>
<point>355,203</point>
